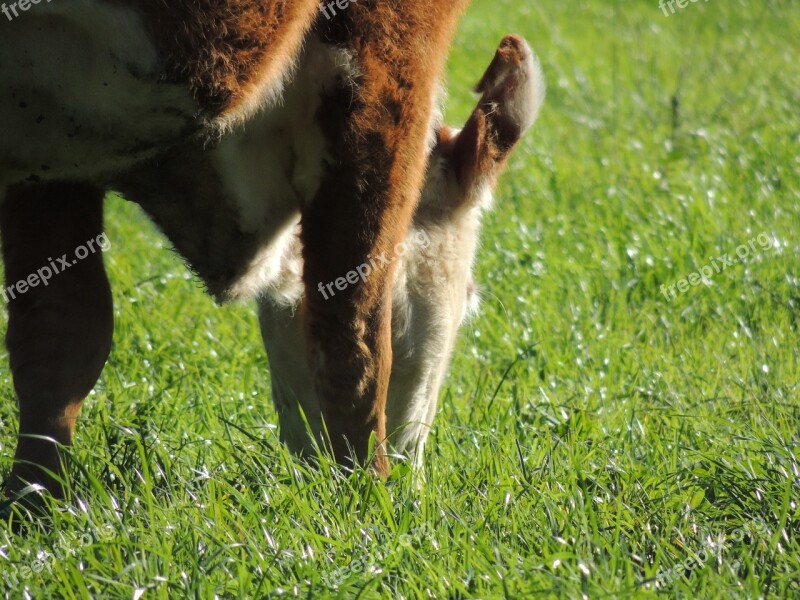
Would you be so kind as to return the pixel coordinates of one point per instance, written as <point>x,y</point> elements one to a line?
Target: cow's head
<point>434,290</point>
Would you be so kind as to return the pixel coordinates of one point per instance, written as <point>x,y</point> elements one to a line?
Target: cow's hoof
<point>5,509</point>
<point>25,504</point>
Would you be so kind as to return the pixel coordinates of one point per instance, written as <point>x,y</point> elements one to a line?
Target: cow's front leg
<point>377,125</point>
<point>60,317</point>
<point>349,326</point>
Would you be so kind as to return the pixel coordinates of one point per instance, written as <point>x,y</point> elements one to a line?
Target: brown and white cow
<point>223,120</point>
<point>433,286</point>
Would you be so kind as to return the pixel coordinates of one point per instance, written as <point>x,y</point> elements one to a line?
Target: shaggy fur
<point>233,56</point>
<point>433,288</point>
<point>199,111</point>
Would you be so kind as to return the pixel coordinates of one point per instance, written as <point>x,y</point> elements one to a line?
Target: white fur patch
<point>527,100</point>
<point>78,93</point>
<point>432,294</point>
<point>274,166</point>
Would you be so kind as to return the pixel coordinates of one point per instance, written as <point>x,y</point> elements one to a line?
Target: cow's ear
<point>512,92</point>
<point>470,153</point>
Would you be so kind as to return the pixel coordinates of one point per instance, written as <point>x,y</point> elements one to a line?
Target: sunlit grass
<point>592,435</point>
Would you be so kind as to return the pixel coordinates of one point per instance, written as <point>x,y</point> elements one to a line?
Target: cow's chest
<point>81,98</point>
<point>232,209</point>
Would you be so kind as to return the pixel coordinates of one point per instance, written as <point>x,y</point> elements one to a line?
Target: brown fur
<point>59,336</point>
<point>223,50</point>
<point>231,56</point>
<point>433,289</point>
<point>489,135</point>
<point>381,145</point>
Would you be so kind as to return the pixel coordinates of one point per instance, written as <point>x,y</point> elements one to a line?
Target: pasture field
<point>596,438</point>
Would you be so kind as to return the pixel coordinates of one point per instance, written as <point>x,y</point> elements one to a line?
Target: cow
<point>229,123</point>
<point>434,290</point>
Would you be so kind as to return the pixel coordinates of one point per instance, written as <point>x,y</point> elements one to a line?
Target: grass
<point>593,435</point>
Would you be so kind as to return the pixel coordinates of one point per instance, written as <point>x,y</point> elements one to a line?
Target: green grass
<point>592,434</point>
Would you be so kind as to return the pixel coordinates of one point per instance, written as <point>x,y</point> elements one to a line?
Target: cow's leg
<point>378,131</point>
<point>59,332</point>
